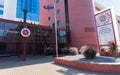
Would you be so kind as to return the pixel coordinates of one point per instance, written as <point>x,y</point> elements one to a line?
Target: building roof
<point>98,7</point>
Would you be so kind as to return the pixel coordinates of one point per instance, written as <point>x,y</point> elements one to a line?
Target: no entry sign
<point>25,32</point>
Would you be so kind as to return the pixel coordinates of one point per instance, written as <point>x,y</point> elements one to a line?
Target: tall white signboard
<point>106,27</point>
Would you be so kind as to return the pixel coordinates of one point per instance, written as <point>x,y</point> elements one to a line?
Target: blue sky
<point>108,3</point>
<point>1,2</point>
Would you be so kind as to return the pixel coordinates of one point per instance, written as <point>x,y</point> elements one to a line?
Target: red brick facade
<point>82,23</point>
<point>44,13</point>
<point>81,18</point>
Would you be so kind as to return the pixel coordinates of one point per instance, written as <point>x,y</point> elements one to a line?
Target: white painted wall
<point>1,3</point>
<point>10,9</point>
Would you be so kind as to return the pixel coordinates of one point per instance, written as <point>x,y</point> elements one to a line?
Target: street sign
<point>25,32</point>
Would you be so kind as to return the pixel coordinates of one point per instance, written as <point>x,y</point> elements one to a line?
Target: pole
<point>56,42</point>
<point>24,38</point>
<point>24,48</point>
<point>25,14</point>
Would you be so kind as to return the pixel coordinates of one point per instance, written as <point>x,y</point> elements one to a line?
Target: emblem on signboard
<point>25,32</point>
<point>103,18</point>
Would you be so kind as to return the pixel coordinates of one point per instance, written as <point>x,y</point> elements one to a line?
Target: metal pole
<point>24,38</point>
<point>25,14</point>
<point>56,42</point>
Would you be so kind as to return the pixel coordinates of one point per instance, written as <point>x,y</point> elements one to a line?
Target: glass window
<point>62,36</point>
<point>2,27</point>
<point>58,11</point>
<point>49,18</point>
<point>10,27</point>
<point>33,34</point>
<point>1,3</point>
<point>1,12</point>
<point>1,30</point>
<point>62,33</point>
<point>57,1</point>
<point>53,25</point>
<point>31,5</point>
<point>46,35</point>
<point>11,34</point>
<point>1,35</point>
<point>48,0</point>
<point>58,22</point>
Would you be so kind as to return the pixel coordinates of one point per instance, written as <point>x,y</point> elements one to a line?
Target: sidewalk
<point>38,65</point>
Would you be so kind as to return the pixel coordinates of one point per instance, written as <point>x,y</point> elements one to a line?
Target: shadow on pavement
<point>99,59</point>
<point>13,61</point>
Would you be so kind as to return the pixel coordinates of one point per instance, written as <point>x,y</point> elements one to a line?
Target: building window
<point>62,36</point>
<point>57,1</point>
<point>58,22</point>
<point>33,9</point>
<point>53,25</point>
<point>49,18</point>
<point>58,11</point>
<point>1,3</point>
<point>1,12</point>
<point>2,27</point>
<point>48,0</point>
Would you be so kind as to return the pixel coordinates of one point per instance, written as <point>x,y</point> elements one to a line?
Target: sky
<point>1,2</point>
<point>108,3</point>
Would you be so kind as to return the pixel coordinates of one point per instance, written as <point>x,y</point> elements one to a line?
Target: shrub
<point>105,48</point>
<point>48,51</point>
<point>65,50</point>
<point>113,46</point>
<point>73,51</point>
<point>88,52</point>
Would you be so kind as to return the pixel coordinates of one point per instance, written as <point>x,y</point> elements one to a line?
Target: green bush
<point>88,52</point>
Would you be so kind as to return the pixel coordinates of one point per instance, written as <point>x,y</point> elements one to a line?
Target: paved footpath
<point>38,65</point>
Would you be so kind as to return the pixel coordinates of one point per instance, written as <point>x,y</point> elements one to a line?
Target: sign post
<point>25,32</point>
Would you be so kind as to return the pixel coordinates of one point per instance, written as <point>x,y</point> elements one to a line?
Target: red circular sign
<point>25,32</point>
<point>103,18</point>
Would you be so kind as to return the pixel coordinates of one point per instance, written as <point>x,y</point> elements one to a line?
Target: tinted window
<point>49,18</point>
<point>57,1</point>
<point>1,12</point>
<point>58,22</point>
<point>62,36</point>
<point>58,11</point>
<point>53,25</point>
<point>48,0</point>
<point>10,27</point>
<point>2,27</point>
<point>31,5</point>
